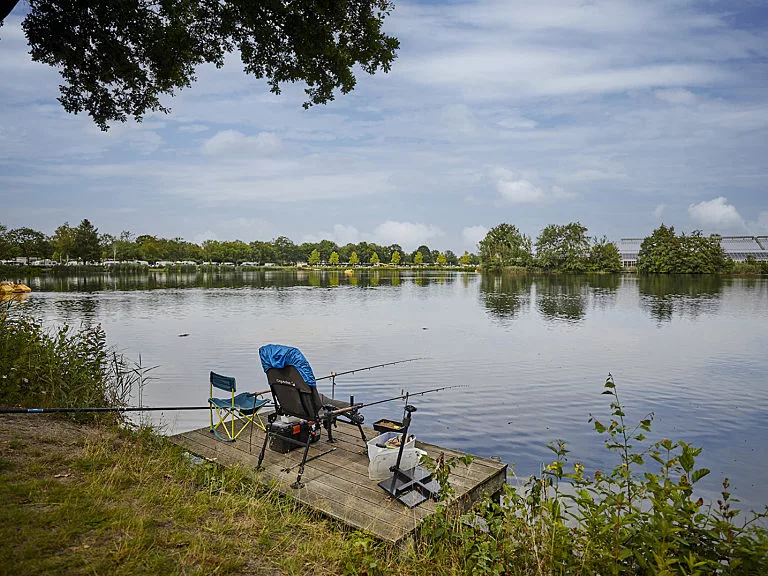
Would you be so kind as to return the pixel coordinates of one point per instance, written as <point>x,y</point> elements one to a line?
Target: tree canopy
<point>665,252</point>
<point>118,58</point>
<point>86,242</point>
<point>604,256</point>
<point>504,245</point>
<point>563,247</point>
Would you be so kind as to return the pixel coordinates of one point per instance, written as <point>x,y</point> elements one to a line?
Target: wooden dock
<point>337,483</point>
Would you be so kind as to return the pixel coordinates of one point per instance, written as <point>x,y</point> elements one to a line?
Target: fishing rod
<point>99,409</point>
<point>404,395</point>
<point>111,408</point>
<point>171,408</point>
<point>333,375</point>
<point>407,395</point>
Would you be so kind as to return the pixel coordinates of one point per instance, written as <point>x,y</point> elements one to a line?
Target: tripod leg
<point>298,483</point>
<point>264,446</point>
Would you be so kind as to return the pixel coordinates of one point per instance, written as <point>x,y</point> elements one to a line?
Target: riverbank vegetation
<point>97,498</point>
<point>665,252</point>
<point>558,248</point>
<point>568,248</point>
<point>565,248</point>
<point>59,367</point>
<point>84,244</point>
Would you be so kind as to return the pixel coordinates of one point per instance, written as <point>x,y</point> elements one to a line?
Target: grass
<point>108,500</point>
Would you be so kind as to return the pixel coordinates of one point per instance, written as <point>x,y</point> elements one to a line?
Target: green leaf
<point>599,427</point>
<point>686,459</point>
<point>699,474</point>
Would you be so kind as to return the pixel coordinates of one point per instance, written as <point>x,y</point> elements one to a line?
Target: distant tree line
<point>84,243</point>
<point>568,248</point>
<point>559,248</point>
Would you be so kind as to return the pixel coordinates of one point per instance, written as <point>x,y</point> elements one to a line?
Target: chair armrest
<point>259,393</point>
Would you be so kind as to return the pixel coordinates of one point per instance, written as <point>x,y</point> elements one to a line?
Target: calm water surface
<point>533,352</point>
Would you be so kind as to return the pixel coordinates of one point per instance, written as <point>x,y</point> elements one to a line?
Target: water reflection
<point>562,297</point>
<point>666,296</point>
<point>506,295</point>
<point>363,278</point>
<point>76,311</point>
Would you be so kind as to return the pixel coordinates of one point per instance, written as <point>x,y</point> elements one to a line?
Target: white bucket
<point>379,467</point>
<point>374,450</point>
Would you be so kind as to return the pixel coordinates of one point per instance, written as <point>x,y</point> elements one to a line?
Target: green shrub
<point>58,368</point>
<point>625,521</point>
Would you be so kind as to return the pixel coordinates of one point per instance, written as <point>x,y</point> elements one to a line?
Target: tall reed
<point>60,367</point>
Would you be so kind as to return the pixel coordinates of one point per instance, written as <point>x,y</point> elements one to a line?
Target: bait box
<point>386,425</point>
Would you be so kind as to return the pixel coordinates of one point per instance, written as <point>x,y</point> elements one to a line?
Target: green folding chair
<point>242,408</point>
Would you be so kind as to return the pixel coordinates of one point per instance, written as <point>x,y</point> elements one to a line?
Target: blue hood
<point>279,356</point>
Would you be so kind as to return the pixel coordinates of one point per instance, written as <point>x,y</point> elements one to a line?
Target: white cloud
<point>759,227</point>
<point>716,214</point>
<point>659,210</point>
<point>472,235</point>
<point>203,236</point>
<point>519,191</point>
<point>234,143</point>
<point>248,229</point>
<point>675,95</point>
<point>516,189</point>
<point>517,122</point>
<point>193,128</point>
<point>409,235</point>
<point>345,234</point>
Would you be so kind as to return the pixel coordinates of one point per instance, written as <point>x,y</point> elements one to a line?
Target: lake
<point>532,351</point>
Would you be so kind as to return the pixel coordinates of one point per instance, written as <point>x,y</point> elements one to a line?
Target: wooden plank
<point>337,497</point>
<point>347,463</point>
<point>349,441</point>
<point>337,483</point>
<point>339,463</point>
<point>332,473</point>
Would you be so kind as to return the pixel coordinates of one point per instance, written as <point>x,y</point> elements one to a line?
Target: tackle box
<point>297,430</point>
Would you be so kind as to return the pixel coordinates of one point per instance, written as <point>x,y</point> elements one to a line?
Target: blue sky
<point>618,114</point>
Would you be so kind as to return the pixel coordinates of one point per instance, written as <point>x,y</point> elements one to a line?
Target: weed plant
<point>750,266</point>
<point>624,521</point>
<point>60,367</point>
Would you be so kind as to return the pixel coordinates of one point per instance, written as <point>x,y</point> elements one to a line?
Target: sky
<point>620,115</point>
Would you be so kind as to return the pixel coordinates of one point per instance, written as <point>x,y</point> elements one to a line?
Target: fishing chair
<point>242,408</point>
<point>294,393</point>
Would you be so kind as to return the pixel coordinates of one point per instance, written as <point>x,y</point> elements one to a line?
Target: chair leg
<point>222,422</point>
<point>263,447</point>
<point>298,483</point>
